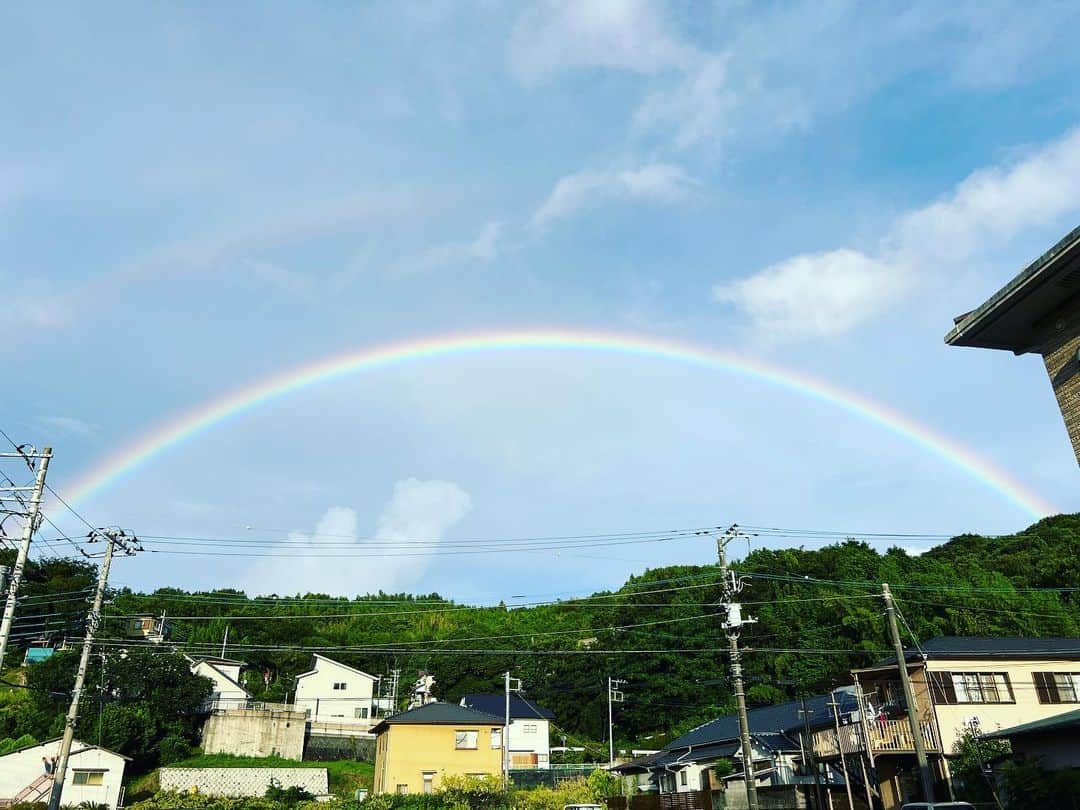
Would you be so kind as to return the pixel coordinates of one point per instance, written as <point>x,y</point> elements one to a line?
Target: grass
<point>345,775</point>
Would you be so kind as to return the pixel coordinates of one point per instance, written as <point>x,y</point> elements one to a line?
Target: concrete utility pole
<point>868,765</point>
<point>818,801</point>
<point>511,685</point>
<point>614,695</point>
<point>840,747</point>
<point>909,697</point>
<point>733,620</point>
<point>33,511</point>
<point>128,545</point>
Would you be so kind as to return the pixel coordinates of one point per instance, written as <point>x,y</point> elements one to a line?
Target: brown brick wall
<point>1064,370</point>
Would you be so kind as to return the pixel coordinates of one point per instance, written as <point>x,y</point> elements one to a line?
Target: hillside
<point>818,609</point>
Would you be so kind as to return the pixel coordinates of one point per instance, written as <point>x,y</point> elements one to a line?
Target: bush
<point>173,749</point>
<point>290,796</point>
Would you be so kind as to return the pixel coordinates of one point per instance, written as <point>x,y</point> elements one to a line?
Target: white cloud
<point>660,183</point>
<point>826,294</point>
<point>419,512</point>
<point>67,424</point>
<point>484,248</point>
<point>616,34</point>
<point>817,295</point>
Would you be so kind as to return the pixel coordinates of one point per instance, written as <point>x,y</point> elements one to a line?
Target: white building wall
<point>531,736</point>
<point>226,694</point>
<point>316,694</point>
<point>19,770</point>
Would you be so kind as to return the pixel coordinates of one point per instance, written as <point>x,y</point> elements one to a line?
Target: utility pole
<point>32,520</point>
<point>614,695</point>
<point>909,698</point>
<point>511,685</point>
<point>225,641</point>
<point>840,748</point>
<point>733,620</point>
<point>819,803</point>
<point>114,538</point>
<point>868,765</point>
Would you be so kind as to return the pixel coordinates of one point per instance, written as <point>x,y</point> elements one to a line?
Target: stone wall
<point>243,781</point>
<point>255,733</point>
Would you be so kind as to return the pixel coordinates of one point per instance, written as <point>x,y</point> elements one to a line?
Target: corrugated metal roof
<point>1060,722</point>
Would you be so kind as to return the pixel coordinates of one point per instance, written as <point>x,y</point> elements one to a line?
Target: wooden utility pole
<point>925,777</point>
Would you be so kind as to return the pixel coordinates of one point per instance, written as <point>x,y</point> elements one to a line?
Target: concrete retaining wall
<point>243,781</point>
<point>255,733</point>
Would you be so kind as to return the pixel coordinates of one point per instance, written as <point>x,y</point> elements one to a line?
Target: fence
<point>690,800</point>
<point>319,748</point>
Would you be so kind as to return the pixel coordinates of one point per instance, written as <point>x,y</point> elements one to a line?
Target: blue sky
<point>194,198</point>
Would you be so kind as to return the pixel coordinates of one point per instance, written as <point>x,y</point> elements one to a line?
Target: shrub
<point>173,749</point>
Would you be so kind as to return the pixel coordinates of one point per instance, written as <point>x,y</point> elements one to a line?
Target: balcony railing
<point>888,737</point>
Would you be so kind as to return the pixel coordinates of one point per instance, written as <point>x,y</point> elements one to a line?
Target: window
<point>339,686</point>
<point>682,776</point>
<point>465,740</point>
<point>402,789</point>
<point>970,687</point>
<point>429,781</point>
<point>361,713</point>
<point>496,738</point>
<point>529,728</point>
<point>1057,687</point>
<point>88,778</point>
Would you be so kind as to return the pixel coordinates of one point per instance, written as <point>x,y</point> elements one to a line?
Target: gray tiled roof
<point>520,708</point>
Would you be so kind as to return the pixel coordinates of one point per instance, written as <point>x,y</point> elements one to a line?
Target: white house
<point>224,673</point>
<point>331,692</point>
<point>530,728</point>
<point>93,775</point>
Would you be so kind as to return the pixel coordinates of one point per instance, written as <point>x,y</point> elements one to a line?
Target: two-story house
<point>530,728</point>
<point>417,749</point>
<point>959,683</point>
<point>689,762</point>
<point>224,674</point>
<point>338,695</point>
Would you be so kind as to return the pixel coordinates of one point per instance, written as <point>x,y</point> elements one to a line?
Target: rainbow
<point>370,359</point>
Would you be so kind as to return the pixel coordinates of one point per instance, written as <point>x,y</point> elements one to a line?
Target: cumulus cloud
<point>817,295</point>
<point>827,294</point>
<point>418,512</point>
<point>658,183</point>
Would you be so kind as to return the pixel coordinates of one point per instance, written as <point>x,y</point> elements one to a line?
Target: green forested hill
<point>819,613</point>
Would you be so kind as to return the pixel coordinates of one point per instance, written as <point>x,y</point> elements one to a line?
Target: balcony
<point>888,737</point>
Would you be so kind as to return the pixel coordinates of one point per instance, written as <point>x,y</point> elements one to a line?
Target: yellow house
<point>416,749</point>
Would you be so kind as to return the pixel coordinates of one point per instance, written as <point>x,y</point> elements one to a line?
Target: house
<point>337,694</point>
<point>224,674</point>
<point>689,763</point>
<point>1038,312</point>
<point>995,682</point>
<point>94,775</point>
<point>530,728</point>
<point>417,749</point>
<point>1053,742</point>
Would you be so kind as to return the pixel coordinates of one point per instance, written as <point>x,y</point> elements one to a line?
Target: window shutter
<point>941,688</point>
<point>1045,687</point>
